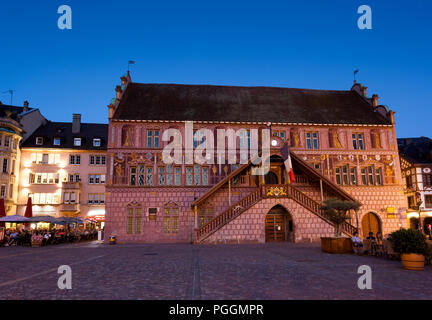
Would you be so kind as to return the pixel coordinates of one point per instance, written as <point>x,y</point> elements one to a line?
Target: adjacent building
<point>16,124</point>
<point>63,169</point>
<point>343,144</point>
<point>416,166</point>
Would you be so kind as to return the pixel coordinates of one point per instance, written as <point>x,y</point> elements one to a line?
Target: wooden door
<point>275,228</point>
<point>370,223</point>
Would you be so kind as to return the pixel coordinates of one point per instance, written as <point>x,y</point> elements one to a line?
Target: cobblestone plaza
<point>187,272</point>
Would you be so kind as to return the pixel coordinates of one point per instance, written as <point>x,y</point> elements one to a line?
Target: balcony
<point>71,207</point>
<point>71,185</point>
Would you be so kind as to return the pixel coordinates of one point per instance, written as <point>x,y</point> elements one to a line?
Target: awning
<point>14,218</point>
<point>48,219</point>
<point>69,220</point>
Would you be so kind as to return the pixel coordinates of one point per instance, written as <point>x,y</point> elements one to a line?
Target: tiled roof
<point>244,104</point>
<point>63,130</point>
<point>416,150</point>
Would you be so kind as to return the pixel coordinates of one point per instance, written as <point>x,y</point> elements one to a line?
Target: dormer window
<point>39,141</point>
<point>57,141</point>
<point>77,142</point>
<point>96,142</point>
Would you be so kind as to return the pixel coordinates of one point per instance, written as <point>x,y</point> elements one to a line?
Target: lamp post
<point>418,204</point>
<point>357,219</point>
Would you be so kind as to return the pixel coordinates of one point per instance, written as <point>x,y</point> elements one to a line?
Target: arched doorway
<point>279,225</point>
<point>271,178</point>
<point>370,223</point>
<point>276,173</point>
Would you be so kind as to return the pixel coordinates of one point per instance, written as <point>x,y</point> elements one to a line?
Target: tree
<point>337,211</point>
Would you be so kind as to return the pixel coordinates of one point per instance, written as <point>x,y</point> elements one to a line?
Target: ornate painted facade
<point>343,144</point>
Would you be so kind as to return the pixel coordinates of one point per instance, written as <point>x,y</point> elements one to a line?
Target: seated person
<point>379,238</point>
<point>13,238</point>
<point>371,237</point>
<point>356,240</point>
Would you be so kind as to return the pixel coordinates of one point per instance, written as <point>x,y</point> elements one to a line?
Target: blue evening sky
<point>300,44</point>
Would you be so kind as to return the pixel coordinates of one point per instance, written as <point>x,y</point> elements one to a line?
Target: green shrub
<point>337,211</point>
<point>408,241</point>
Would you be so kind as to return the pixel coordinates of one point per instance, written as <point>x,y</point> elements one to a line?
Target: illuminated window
<point>96,142</point>
<point>171,213</point>
<point>129,225</point>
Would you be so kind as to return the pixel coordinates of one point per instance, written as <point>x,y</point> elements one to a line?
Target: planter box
<point>36,243</point>
<point>413,261</point>
<point>336,245</point>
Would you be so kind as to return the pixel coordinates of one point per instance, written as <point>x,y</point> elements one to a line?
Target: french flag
<point>287,161</point>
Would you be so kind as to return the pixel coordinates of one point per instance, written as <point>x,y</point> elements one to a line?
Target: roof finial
<point>129,63</point>
<point>355,73</point>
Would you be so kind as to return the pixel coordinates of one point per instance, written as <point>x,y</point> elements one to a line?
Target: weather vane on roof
<point>355,73</point>
<point>129,63</point>
<point>11,93</point>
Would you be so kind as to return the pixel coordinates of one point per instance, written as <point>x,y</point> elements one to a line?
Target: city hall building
<point>342,145</point>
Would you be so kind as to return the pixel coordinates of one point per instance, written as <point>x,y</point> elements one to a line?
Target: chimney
<point>76,123</point>
<point>375,100</point>
<point>26,106</point>
<point>364,91</point>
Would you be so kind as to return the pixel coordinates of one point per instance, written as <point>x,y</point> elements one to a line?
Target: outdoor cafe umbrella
<point>29,211</point>
<point>2,212</point>
<point>69,220</point>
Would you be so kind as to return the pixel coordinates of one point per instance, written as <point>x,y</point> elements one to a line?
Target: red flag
<point>287,161</point>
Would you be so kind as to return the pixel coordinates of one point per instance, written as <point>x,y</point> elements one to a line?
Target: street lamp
<point>418,204</point>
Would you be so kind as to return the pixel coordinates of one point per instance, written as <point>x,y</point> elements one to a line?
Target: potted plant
<point>337,211</point>
<point>412,246</point>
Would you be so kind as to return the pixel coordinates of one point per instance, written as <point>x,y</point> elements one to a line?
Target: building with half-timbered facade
<point>416,166</point>
<point>342,144</point>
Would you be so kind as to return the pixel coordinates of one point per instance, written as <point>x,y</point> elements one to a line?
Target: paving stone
<point>184,271</point>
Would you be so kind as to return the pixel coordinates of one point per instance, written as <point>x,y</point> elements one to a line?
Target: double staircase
<point>261,192</point>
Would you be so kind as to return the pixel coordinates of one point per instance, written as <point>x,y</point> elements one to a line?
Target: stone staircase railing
<point>265,191</point>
